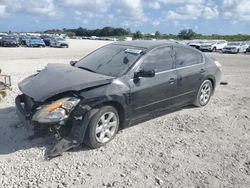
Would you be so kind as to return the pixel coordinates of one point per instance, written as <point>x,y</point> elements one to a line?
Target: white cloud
<point>2,10</point>
<point>154,5</point>
<point>181,1</point>
<point>127,12</point>
<point>131,9</point>
<point>236,9</point>
<point>210,12</point>
<point>95,6</point>
<point>156,23</point>
<point>38,7</point>
<point>192,12</point>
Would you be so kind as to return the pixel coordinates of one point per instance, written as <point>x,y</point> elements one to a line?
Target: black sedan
<point>113,87</point>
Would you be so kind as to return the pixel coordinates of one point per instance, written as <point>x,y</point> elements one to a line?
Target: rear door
<point>190,70</point>
<point>155,93</point>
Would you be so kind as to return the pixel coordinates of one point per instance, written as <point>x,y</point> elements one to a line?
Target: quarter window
<point>186,57</point>
<point>159,59</point>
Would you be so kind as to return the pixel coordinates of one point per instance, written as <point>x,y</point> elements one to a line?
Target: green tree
<point>137,35</point>
<point>157,34</point>
<point>187,34</point>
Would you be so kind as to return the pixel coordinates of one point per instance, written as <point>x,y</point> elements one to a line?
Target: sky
<point>148,16</point>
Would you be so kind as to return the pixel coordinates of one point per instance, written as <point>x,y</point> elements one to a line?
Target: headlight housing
<point>55,112</point>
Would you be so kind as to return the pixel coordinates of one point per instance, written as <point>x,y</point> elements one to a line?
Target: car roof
<point>147,44</point>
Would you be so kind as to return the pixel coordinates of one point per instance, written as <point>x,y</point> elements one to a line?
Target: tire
<point>101,130</point>
<point>214,49</point>
<point>204,94</point>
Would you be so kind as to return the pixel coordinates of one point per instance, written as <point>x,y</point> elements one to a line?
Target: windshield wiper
<point>87,69</point>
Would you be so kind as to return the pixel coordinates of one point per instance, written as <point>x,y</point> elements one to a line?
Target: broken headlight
<point>56,111</point>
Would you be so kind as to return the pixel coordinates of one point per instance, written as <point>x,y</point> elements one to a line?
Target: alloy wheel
<point>205,93</point>
<point>106,127</point>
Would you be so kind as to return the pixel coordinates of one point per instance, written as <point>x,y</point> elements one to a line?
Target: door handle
<point>171,80</point>
<point>202,70</point>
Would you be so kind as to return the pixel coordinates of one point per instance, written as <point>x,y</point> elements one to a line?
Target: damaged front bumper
<point>78,123</point>
<point>61,146</point>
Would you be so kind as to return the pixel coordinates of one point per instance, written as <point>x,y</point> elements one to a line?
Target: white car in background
<point>235,47</point>
<point>59,43</point>
<point>213,46</point>
<point>196,44</point>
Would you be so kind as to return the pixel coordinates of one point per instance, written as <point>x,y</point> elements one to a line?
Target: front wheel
<point>204,94</point>
<point>102,127</point>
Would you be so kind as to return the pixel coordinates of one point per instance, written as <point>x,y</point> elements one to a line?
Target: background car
<point>248,49</point>
<point>114,86</point>
<point>34,42</point>
<point>235,47</point>
<point>9,41</point>
<point>3,35</point>
<point>46,40</point>
<point>212,46</point>
<point>59,43</point>
<point>196,44</point>
<point>22,39</point>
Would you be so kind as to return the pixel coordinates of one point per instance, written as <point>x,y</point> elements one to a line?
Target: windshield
<point>111,60</point>
<point>234,43</point>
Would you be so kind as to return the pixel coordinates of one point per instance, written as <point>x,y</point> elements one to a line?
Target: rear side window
<point>186,57</point>
<point>159,59</point>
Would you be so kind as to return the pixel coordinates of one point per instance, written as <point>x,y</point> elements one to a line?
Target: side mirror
<point>144,73</point>
<point>72,63</point>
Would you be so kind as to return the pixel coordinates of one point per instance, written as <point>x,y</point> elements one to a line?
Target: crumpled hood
<point>59,78</point>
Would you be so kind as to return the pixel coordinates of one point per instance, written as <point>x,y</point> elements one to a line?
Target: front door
<point>155,93</point>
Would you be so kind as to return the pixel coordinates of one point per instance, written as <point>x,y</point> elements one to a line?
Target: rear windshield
<point>111,60</point>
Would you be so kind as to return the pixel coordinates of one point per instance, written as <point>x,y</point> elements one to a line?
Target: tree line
<point>104,32</point>
<point>185,34</point>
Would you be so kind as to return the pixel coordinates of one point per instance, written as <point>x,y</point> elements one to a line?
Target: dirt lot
<point>192,147</point>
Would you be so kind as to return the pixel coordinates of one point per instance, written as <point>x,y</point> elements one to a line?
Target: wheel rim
<point>106,127</point>
<point>205,93</point>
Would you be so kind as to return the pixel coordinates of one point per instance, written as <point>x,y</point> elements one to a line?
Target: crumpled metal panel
<point>59,78</point>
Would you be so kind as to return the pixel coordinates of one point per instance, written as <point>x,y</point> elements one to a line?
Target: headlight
<point>56,111</point>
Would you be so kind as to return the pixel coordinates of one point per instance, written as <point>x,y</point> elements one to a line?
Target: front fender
<point>80,123</point>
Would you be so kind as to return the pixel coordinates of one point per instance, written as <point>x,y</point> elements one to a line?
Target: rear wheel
<point>103,127</point>
<point>204,94</point>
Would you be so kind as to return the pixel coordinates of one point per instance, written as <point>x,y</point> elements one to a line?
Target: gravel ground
<point>192,147</point>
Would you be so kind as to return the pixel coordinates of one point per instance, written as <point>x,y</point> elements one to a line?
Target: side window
<point>159,59</point>
<point>186,57</point>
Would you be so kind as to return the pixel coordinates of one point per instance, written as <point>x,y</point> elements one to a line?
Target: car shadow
<point>14,136</point>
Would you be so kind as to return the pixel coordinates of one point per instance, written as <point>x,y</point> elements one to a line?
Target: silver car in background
<point>213,46</point>
<point>235,47</point>
<point>59,43</point>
